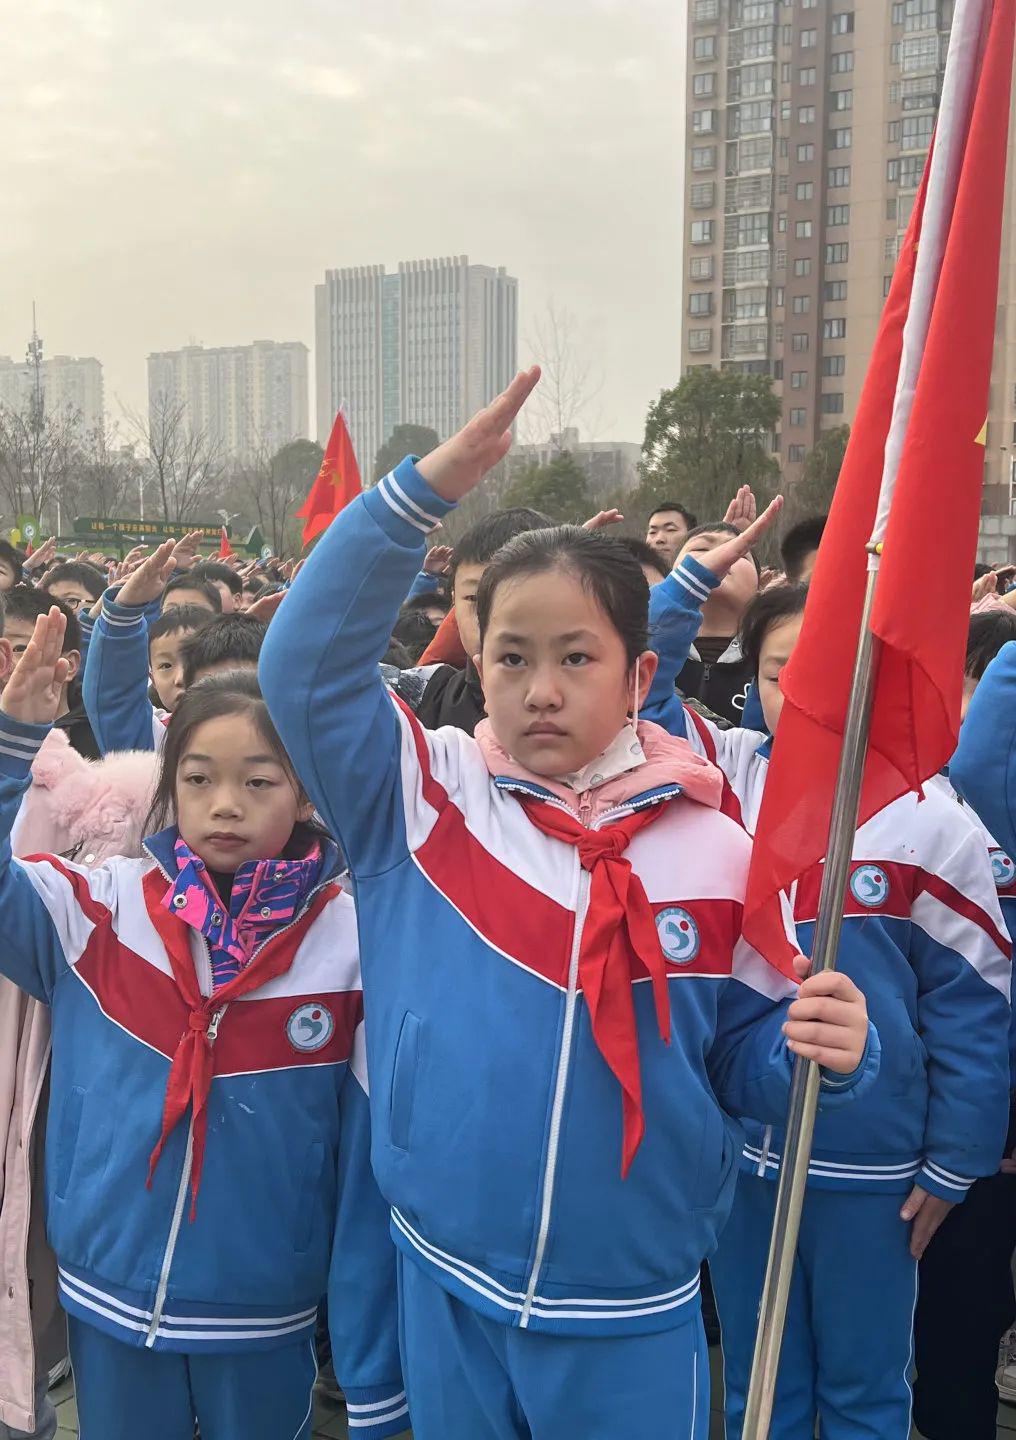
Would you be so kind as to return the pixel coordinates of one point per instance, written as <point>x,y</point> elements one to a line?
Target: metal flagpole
<point>805,1085</point>
<point>968,32</point>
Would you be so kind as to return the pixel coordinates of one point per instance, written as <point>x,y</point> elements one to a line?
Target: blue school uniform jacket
<point>924,938</point>
<point>496,1121</point>
<point>288,1210</point>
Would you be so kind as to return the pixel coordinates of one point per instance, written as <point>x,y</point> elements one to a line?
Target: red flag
<point>911,479</point>
<point>29,548</point>
<point>338,482</point>
<point>226,551</point>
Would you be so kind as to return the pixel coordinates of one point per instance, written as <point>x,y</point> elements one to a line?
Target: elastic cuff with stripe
<point>405,506</point>
<point>695,578</point>
<point>946,1184</point>
<point>833,1083</point>
<point>120,619</point>
<point>376,1411</point>
<point>19,745</point>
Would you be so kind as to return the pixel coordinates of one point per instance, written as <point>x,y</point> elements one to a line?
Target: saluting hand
<point>458,466</point>
<point>32,694</point>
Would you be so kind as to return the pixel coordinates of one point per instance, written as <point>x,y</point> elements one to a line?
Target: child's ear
<point>305,811</point>
<point>73,658</point>
<point>6,660</point>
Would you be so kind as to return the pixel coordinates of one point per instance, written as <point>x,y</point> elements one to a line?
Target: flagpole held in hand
<point>807,1077</point>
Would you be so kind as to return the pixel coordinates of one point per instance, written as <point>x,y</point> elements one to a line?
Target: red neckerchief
<point>190,1075</point>
<point>619,932</point>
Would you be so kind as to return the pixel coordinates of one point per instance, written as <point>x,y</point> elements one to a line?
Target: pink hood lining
<point>669,761</point>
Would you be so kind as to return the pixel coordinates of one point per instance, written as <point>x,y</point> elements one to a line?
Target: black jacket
<point>721,686</point>
<point>440,694</point>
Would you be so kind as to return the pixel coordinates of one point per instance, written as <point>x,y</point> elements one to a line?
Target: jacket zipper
<point>181,1201</point>
<point>188,1162</point>
<point>560,1088</point>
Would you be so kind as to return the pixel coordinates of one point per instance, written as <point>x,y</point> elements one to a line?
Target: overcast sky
<point>186,172</point>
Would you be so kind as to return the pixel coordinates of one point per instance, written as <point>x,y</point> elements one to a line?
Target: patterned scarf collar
<point>266,895</point>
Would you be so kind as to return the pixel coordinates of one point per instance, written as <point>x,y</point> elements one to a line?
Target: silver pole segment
<point>804,1088</point>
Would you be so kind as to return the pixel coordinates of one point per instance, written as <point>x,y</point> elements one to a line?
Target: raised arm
<point>319,665</point>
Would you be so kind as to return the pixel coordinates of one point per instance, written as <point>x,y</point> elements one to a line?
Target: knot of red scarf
<point>618,938</point>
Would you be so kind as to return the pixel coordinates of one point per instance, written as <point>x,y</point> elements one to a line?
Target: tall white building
<point>66,384</point>
<point>241,397</point>
<point>426,346</point>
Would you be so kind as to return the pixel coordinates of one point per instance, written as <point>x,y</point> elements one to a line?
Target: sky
<point>185,173</point>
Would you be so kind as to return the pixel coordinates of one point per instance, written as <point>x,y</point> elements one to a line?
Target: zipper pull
<point>213,1024</point>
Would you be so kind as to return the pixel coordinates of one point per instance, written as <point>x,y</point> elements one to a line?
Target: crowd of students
<point>373,951</point>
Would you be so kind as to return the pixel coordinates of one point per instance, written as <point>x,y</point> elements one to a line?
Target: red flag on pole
<point>911,482</point>
<point>338,482</point>
<point>226,551</point>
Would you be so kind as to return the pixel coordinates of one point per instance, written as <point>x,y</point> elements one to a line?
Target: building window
<point>807,76</point>
<point>701,232</point>
<point>781,223</point>
<point>802,267</point>
<point>892,172</point>
<point>801,304</point>
<point>917,131</point>
<point>805,114</point>
<point>843,24</point>
<point>835,290</point>
<point>784,147</point>
<point>795,454</point>
<point>781,184</point>
<point>843,63</point>
<point>704,47</point>
<point>894,53</point>
<point>832,404</point>
<point>834,365</point>
<point>892,208</point>
<point>809,4</point>
<point>753,229</point>
<point>805,153</point>
<point>701,267</point>
<point>785,108</point>
<point>703,122</point>
<point>843,99</point>
<point>756,80</point>
<point>841,139</point>
<point>809,39</point>
<point>779,297</point>
<point>706,10</point>
<point>703,157</point>
<point>703,195</point>
<point>798,416</point>
<point>755,115</point>
<point>799,342</point>
<point>777,373</point>
<point>887,285</point>
<point>803,229</point>
<point>799,380</point>
<point>889,252</point>
<point>699,340</point>
<point>921,14</point>
<point>892,132</point>
<point>785,72</point>
<point>897,13</point>
<point>837,254</point>
<point>838,177</point>
<point>835,329</point>
<point>700,303</point>
<point>919,53</point>
<point>894,92</point>
<point>804,190</point>
<point>781,259</point>
<point>704,85</point>
<point>835,215</point>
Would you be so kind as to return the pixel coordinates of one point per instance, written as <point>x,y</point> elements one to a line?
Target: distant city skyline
<point>186,174</point>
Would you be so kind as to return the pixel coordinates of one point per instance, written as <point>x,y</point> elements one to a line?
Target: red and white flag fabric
<point>225,551</point>
<point>911,482</point>
<point>338,482</point>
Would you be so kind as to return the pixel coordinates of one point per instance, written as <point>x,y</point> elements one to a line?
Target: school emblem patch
<point>869,885</point>
<point>679,935</point>
<point>310,1028</point>
<point>1003,869</point>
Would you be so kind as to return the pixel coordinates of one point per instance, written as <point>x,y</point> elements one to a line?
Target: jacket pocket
<point>716,1159</point>
<point>910,1061</point>
<point>67,1139</point>
<point>407,1057</point>
<point>308,1198</point>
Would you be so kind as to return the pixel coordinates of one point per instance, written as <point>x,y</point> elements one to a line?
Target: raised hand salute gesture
<point>32,694</point>
<point>458,466</point>
<point>148,581</point>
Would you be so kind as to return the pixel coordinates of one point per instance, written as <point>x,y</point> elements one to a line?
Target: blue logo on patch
<point>869,885</point>
<point>679,936</point>
<point>310,1028</point>
<point>1003,869</point>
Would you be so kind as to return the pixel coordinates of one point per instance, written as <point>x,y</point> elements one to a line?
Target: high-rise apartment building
<point>243,398</point>
<point>809,123</point>
<point>66,383</point>
<point>425,346</point>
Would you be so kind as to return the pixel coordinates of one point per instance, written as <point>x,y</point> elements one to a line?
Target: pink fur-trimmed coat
<point>86,811</point>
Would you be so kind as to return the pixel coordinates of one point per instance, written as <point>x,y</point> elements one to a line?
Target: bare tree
<point>110,477</point>
<point>274,485</point>
<point>567,395</point>
<point>39,453</point>
<point>183,466</point>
